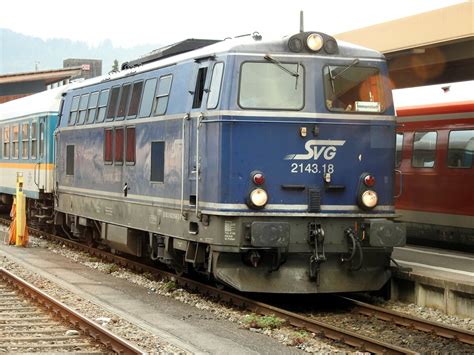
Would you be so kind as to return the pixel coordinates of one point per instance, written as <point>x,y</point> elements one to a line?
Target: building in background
<point>15,86</point>
<point>90,67</point>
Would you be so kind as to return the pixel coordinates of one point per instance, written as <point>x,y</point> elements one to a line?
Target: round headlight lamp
<point>258,198</point>
<point>330,46</point>
<point>295,45</point>
<point>369,199</point>
<point>315,42</point>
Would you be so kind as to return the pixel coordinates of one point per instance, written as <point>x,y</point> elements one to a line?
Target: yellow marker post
<point>21,233</point>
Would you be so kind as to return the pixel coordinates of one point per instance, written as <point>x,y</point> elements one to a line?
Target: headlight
<point>295,45</point>
<point>314,42</point>
<point>369,199</point>
<point>258,198</point>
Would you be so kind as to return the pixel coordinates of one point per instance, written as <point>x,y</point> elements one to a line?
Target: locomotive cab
<point>309,190</point>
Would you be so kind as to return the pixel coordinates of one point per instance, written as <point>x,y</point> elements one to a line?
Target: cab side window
<point>399,149</point>
<point>215,87</point>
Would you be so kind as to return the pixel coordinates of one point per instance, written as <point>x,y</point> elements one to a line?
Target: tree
<point>115,66</point>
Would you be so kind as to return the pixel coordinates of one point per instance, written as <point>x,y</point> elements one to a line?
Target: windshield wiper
<point>276,62</point>
<point>333,78</point>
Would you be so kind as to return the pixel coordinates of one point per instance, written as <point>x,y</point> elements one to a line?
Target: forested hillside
<point>21,53</point>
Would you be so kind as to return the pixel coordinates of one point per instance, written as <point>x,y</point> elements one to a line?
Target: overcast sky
<point>133,22</point>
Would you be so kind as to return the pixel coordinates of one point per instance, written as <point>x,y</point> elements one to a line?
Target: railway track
<point>32,321</point>
<point>408,321</point>
<point>321,328</point>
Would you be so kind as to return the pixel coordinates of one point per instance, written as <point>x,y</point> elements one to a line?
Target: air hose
<point>355,247</point>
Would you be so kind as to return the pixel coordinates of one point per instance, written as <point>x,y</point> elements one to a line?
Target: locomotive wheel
<point>90,237</point>
<point>179,266</point>
<point>219,285</point>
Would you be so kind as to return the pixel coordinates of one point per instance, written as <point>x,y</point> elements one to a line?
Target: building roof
<point>48,76</point>
<point>448,24</point>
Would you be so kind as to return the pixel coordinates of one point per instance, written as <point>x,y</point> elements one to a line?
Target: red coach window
<point>118,145</point>
<point>108,146</point>
<point>424,149</point>
<point>130,156</point>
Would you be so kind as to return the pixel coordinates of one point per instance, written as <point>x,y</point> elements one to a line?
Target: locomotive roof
<point>49,101</point>
<point>244,45</point>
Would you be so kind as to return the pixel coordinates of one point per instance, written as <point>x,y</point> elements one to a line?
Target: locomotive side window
<point>424,149</point>
<point>15,142</point>
<point>398,151</point>
<point>215,87</point>
<point>92,107</point>
<point>162,94</point>
<point>83,109</point>
<point>114,98</point>
<point>108,145</point>
<point>353,89</point>
<point>130,149</point>
<point>102,108</point>
<point>73,112</point>
<point>271,86</point>
<point>460,149</point>
<point>119,137</point>
<point>135,99</point>
<point>70,160</point>
<point>123,101</point>
<point>6,142</point>
<point>25,140</point>
<point>147,99</point>
<point>199,88</point>
<point>34,140</point>
<point>157,162</point>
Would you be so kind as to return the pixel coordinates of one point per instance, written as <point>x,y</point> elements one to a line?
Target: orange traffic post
<point>21,230</point>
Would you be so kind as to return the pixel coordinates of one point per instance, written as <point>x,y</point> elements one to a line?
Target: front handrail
<point>401,183</point>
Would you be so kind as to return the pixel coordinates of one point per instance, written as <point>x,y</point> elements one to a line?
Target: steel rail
<point>406,320</point>
<point>88,327</point>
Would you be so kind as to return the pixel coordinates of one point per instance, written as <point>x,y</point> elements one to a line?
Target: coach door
<point>198,90</point>
<point>41,151</point>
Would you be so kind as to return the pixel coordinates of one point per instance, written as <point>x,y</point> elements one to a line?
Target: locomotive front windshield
<point>271,86</point>
<point>353,89</point>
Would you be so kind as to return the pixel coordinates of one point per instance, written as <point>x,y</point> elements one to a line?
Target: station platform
<point>436,278</point>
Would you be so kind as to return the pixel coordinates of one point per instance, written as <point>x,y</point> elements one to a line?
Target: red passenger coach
<point>435,174</point>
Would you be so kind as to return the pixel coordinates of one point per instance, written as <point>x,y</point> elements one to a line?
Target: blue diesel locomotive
<point>268,165</point>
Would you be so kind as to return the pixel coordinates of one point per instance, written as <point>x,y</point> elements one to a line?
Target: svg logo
<point>316,149</point>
